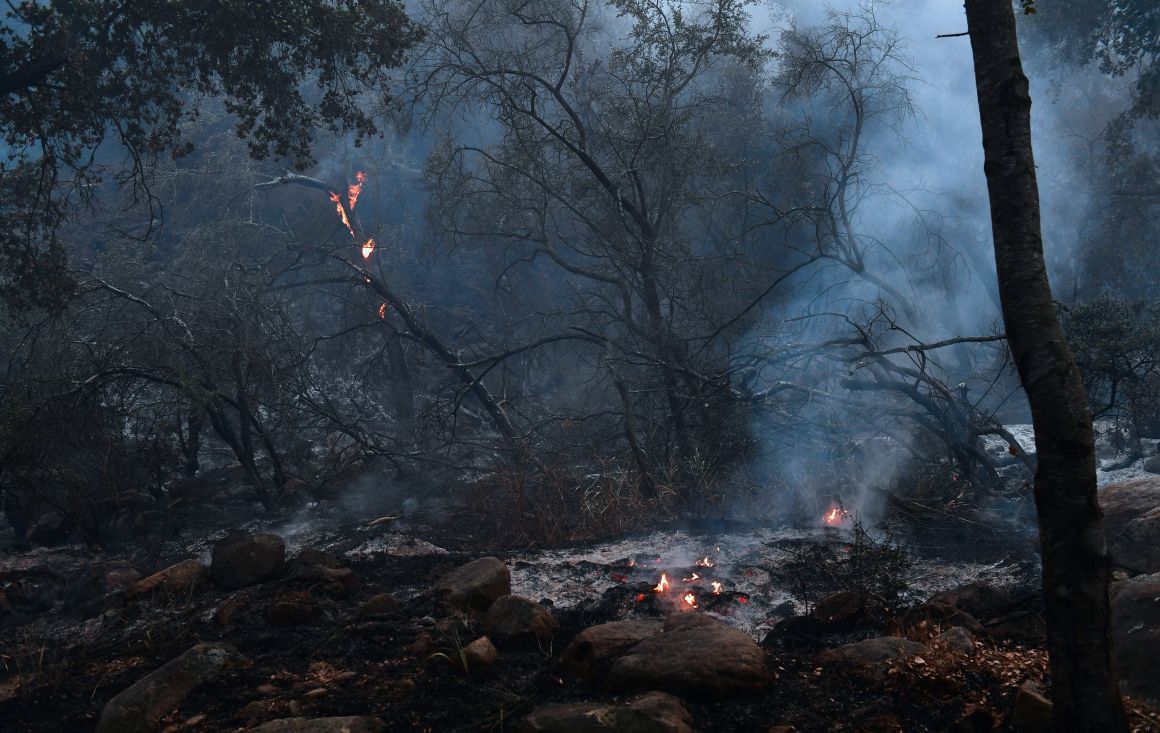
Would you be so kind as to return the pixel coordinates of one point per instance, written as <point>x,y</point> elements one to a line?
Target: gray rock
<point>1136,634</point>
<point>476,585</point>
<point>1132,523</point>
<point>1032,712</point>
<point>655,712</point>
<point>513,617</point>
<point>176,582</point>
<point>695,656</point>
<point>480,654</point>
<point>957,639</point>
<point>242,560</point>
<point>593,650</point>
<point>871,658</point>
<point>141,707</point>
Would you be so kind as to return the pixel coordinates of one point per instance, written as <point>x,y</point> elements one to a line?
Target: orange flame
<point>341,212</point>
<point>368,248</point>
<point>705,562</point>
<point>716,587</point>
<point>383,311</point>
<point>353,190</point>
<point>691,600</point>
<point>835,516</point>
<point>663,585</point>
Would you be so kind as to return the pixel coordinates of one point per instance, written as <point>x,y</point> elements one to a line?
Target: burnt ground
<point>325,659</point>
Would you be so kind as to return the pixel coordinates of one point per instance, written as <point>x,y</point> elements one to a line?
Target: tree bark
<point>1071,533</point>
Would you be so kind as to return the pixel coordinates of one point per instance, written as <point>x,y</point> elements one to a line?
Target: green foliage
<point>76,73</point>
<point>1117,347</point>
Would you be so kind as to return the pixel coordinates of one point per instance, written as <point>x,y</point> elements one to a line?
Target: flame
<point>353,190</point>
<point>716,587</point>
<point>691,600</point>
<point>383,311</point>
<point>705,562</point>
<point>663,585</point>
<point>835,516</point>
<point>341,212</point>
<point>632,563</point>
<point>368,248</point>
<point>692,579</point>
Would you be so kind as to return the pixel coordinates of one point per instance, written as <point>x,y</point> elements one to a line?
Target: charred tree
<point>1074,550</point>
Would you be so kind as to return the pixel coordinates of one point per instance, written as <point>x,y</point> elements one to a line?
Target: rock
<point>655,712</point>
<point>175,582</point>
<point>591,652</point>
<point>141,707</point>
<point>1132,523</point>
<point>928,620</point>
<point>695,656</point>
<point>514,618</point>
<point>293,611</point>
<point>310,557</point>
<point>1032,712</point>
<point>844,608</point>
<point>1152,465</point>
<point>871,658</point>
<point>346,724</point>
<point>957,639</point>
<point>50,530</point>
<point>978,599</point>
<point>480,654</point>
<point>378,606</point>
<point>1136,635</point>
<point>242,560</point>
<point>476,585</point>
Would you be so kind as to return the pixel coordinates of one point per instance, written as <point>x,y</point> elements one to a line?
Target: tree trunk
<point>1071,532</point>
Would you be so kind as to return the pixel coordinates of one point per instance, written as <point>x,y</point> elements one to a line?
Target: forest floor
<point>314,647</point>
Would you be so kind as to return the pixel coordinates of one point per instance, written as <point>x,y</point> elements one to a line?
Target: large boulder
<point>695,656</point>
<point>345,724</point>
<point>655,712</point>
<point>593,650</point>
<point>1132,523</point>
<point>476,585</point>
<point>1136,632</point>
<point>870,658</point>
<point>175,582</point>
<point>513,618</point>
<point>141,707</point>
<point>242,560</point>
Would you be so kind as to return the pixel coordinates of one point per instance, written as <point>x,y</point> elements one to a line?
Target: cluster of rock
<point>649,666</point>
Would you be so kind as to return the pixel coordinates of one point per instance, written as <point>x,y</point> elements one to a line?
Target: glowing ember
<point>742,599</point>
<point>663,585</point>
<point>632,563</point>
<point>368,249</point>
<point>716,587</point>
<point>705,562</point>
<point>639,597</point>
<point>691,600</point>
<point>383,311</point>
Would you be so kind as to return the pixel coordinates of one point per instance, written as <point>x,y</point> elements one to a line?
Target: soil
<point>61,668</point>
